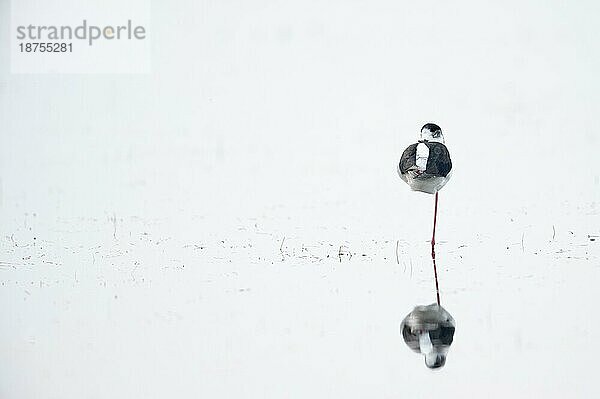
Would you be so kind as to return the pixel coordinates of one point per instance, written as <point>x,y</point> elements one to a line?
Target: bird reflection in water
<point>429,330</point>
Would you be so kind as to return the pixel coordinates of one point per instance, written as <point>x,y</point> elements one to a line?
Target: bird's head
<point>435,360</point>
<point>432,132</point>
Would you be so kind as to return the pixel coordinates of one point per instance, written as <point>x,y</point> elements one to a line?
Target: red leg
<point>437,288</point>
<point>434,223</point>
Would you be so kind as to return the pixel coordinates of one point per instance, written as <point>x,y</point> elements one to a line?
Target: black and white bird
<point>429,330</point>
<point>426,166</point>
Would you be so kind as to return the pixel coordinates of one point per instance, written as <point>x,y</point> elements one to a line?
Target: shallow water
<point>152,307</point>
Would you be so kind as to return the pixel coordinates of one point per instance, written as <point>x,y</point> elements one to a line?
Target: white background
<point>188,232</point>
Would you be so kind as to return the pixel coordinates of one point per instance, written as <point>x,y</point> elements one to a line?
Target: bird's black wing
<point>443,335</point>
<point>408,158</point>
<point>411,339</point>
<point>438,163</point>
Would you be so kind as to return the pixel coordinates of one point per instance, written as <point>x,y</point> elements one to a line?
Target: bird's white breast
<point>422,156</point>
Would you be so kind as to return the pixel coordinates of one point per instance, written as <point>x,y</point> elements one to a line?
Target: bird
<point>429,330</point>
<point>426,167</point>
